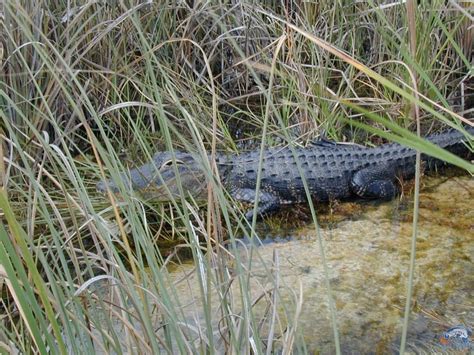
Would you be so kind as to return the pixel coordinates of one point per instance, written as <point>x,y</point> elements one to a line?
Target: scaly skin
<point>331,170</point>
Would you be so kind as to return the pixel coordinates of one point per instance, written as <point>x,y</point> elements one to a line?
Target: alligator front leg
<point>267,201</point>
<point>375,182</point>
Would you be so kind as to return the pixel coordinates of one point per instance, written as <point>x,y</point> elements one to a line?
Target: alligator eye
<point>169,163</point>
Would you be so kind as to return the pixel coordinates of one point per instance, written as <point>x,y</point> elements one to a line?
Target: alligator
<point>331,170</point>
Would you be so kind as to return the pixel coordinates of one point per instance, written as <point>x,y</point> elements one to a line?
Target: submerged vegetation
<point>88,89</point>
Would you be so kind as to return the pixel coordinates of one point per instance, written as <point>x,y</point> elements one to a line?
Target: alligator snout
<point>102,186</point>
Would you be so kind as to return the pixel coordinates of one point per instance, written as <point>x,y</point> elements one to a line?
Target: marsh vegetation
<point>89,89</point>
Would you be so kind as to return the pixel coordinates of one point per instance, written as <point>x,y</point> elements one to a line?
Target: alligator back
<point>333,171</point>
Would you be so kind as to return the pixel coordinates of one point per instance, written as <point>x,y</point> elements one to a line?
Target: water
<point>368,258</point>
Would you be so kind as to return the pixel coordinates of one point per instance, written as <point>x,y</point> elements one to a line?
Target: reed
<point>88,90</point>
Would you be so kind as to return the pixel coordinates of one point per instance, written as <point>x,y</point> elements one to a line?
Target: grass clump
<point>87,90</point>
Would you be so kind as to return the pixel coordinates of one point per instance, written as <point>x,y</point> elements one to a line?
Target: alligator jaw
<point>157,180</point>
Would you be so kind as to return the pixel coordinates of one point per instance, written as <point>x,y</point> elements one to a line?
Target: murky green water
<point>368,257</point>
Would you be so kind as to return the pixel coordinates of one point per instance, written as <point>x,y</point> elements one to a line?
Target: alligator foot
<point>375,182</point>
<point>267,202</point>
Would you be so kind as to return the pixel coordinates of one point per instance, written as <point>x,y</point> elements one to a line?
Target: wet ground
<point>367,248</point>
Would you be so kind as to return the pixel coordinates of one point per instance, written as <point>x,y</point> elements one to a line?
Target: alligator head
<point>158,179</point>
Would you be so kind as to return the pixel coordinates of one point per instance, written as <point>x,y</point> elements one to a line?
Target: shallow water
<point>368,258</point>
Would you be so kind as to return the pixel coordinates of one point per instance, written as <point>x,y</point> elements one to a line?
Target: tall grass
<point>88,90</point>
